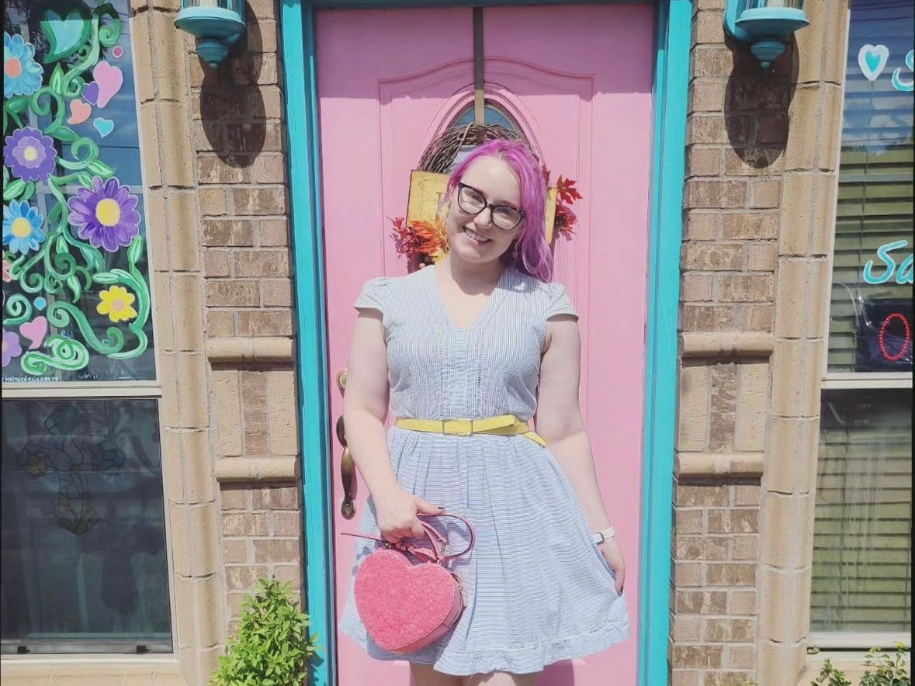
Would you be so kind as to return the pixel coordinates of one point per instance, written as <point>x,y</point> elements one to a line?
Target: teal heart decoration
<point>103,126</point>
<point>872,60</point>
<point>65,33</point>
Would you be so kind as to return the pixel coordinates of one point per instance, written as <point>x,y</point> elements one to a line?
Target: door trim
<point>671,88</point>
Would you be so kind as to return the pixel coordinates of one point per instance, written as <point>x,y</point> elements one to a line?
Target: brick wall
<point>759,198</point>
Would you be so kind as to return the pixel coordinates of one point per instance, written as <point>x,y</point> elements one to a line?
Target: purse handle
<point>436,540</point>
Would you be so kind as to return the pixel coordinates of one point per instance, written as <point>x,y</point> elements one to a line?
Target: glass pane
<point>76,296</point>
<point>862,555</point>
<point>871,310</point>
<point>83,552</point>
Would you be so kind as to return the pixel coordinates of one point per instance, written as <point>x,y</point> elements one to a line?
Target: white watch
<point>602,536</point>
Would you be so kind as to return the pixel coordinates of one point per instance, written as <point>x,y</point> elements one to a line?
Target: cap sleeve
<point>560,303</point>
<point>374,295</point>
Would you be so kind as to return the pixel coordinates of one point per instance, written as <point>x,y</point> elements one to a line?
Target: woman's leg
<point>501,679</point>
<point>424,675</point>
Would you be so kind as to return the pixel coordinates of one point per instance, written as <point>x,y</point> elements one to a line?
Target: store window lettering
<point>76,296</point>
<point>872,59</point>
<point>902,272</point>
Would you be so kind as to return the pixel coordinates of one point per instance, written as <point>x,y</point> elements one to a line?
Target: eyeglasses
<point>472,201</point>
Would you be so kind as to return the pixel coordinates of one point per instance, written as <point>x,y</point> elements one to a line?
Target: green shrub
<point>891,670</point>
<point>271,646</point>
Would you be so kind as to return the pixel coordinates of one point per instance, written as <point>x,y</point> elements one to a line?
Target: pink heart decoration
<point>405,606</point>
<point>79,112</point>
<point>109,80</point>
<point>35,332</point>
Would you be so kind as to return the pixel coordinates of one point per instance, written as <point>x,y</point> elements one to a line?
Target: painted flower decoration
<point>7,276</point>
<point>106,214</point>
<point>11,347</point>
<point>21,74</point>
<point>22,228</point>
<point>117,303</point>
<point>30,154</point>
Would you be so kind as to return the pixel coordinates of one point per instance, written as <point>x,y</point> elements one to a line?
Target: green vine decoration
<point>74,258</point>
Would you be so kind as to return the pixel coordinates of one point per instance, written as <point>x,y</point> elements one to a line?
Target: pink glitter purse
<point>407,605</point>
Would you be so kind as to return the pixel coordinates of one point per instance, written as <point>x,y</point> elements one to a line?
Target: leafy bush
<point>891,670</point>
<point>271,646</point>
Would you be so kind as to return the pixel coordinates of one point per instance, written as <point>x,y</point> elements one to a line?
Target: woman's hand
<point>610,549</point>
<point>396,513</point>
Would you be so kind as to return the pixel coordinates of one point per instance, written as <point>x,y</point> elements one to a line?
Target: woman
<point>481,334</point>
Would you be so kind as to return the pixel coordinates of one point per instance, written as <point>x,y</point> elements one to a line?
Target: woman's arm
<point>365,407</point>
<point>560,423</point>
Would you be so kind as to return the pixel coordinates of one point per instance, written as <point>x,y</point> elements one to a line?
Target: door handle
<point>347,464</point>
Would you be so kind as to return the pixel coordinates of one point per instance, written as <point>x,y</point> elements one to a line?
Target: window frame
<point>830,381</point>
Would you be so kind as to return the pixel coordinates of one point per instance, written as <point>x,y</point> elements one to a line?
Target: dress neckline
<point>492,304</point>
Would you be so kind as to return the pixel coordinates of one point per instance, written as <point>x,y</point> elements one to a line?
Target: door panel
<point>578,82</point>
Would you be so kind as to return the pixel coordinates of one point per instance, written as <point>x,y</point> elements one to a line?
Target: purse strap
<point>436,540</point>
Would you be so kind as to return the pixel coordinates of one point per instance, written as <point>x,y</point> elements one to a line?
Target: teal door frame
<point>671,87</point>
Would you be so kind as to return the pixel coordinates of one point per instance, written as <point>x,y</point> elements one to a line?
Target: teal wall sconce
<point>765,24</point>
<point>217,24</point>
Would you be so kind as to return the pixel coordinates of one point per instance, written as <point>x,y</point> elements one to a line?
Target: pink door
<point>577,81</point>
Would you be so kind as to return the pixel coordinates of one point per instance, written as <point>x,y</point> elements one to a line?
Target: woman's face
<point>482,210</point>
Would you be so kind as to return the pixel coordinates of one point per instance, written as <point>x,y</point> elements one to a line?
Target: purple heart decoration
<point>90,92</point>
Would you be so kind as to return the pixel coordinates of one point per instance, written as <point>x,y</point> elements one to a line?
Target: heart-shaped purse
<point>404,604</point>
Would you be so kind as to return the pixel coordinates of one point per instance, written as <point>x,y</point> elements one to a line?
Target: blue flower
<point>22,228</point>
<point>21,73</point>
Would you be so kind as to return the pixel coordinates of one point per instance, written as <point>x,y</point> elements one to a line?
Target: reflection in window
<point>83,528</point>
<point>492,115</point>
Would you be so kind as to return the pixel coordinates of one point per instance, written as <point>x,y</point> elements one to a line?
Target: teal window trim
<point>674,22</point>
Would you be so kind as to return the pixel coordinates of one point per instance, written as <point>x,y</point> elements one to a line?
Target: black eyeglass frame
<point>492,207</point>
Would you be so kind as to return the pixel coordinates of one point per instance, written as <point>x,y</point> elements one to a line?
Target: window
<point>84,564</point>
<point>862,560</point>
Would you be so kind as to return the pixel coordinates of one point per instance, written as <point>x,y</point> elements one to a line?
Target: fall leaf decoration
<point>427,242</point>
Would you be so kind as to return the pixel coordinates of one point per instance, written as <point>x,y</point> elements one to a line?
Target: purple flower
<point>105,215</point>
<point>11,346</point>
<point>30,154</point>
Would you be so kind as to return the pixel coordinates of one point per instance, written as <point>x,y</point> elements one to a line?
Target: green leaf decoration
<point>66,26</point>
<point>56,83</point>
<point>13,190</point>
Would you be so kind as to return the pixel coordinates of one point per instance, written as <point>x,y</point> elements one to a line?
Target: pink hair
<point>534,256</point>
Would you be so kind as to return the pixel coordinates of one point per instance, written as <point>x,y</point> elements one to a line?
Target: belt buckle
<point>457,427</point>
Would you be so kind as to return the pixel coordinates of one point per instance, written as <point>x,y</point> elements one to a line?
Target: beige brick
<point>680,677</point>
<point>270,168</point>
<point>262,263</point>
<point>703,161</point>
<point>168,378</point>
<point>792,290</point>
<point>729,521</point>
<point>729,630</point>
<point>707,318</point>
<point>189,312</point>
<point>754,160</point>
<point>277,293</point>
<point>171,62</point>
<point>776,589</point>
<point>207,135</point>
<point>740,657</point>
<point>259,201</point>
<point>687,574</point>
<point>177,160</point>
<point>764,193</point>
<point>707,95</point>
<point>707,27</point>
<point>224,233</point>
<point>730,574</point>
<point>219,169</point>
<point>802,210</point>
<point>232,293</point>
<point>235,551</point>
<point>281,389</point>
<point>713,257</point>
<point>142,57</point>
<point>723,402</point>
<point>758,317</point>
<point>702,226</point>
<point>689,521</point>
<point>779,531</point>
<point>180,539</point>
<point>277,550</point>
<point>220,323</point>
<point>254,411</point>
<point>701,496</point>
<point>761,257</point>
<point>716,193</point>
<point>205,530</point>
<point>289,574</point>
<point>753,391</point>
<point>274,107</point>
<point>212,202</point>
<point>803,139</point>
<point>265,323</point>
<point>745,547</point>
<point>796,368</point>
<point>746,495</point>
<point>778,664</point>
<point>811,44</point>
<point>749,225</point>
<point>745,287</point>
<point>693,408</point>
<point>286,524</point>
<point>699,657</point>
<point>276,498</point>
<point>712,61</point>
<point>686,628</point>
<point>244,577</point>
<point>217,263</point>
<point>237,524</point>
<point>183,239</point>
<point>163,324</point>
<point>786,437</point>
<point>701,548</point>
<point>198,467</point>
<point>149,144</point>
<point>192,391</point>
<point>273,232</point>
<point>235,497</point>
<point>818,274</point>
<point>719,129</point>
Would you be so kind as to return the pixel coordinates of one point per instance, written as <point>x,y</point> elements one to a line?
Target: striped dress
<point>537,588</point>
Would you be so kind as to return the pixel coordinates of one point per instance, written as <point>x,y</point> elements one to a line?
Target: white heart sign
<point>872,60</point>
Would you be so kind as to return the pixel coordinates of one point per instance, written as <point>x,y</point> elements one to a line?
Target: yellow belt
<point>503,425</point>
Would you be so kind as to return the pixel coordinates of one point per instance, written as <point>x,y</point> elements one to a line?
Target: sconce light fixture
<point>764,24</point>
<point>217,24</point>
